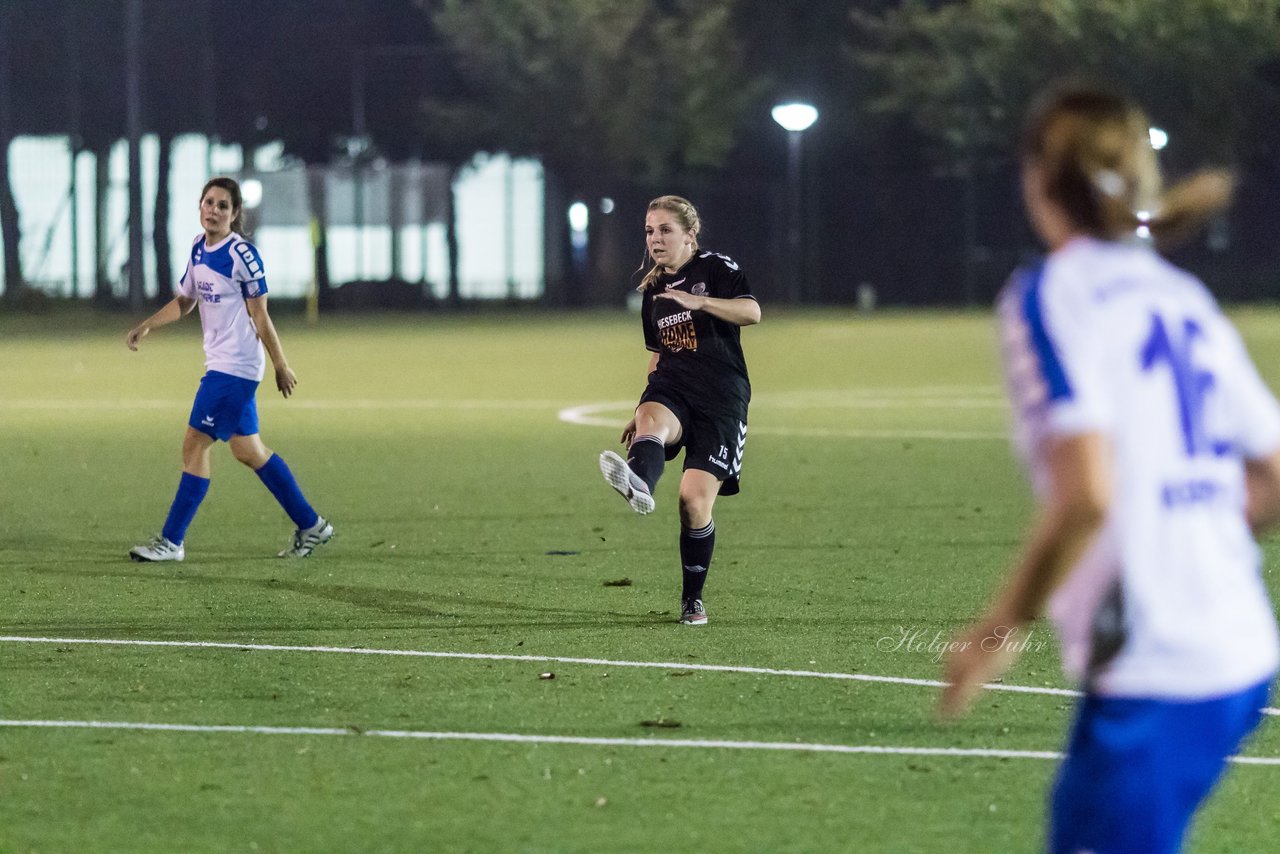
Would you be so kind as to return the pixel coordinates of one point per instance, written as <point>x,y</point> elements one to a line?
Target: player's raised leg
<point>647,437</point>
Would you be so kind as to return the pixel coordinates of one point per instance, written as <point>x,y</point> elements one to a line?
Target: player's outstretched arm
<point>175,309</point>
<point>285,379</point>
<point>739,312</point>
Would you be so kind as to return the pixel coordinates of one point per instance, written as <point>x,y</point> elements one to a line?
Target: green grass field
<point>879,497</point>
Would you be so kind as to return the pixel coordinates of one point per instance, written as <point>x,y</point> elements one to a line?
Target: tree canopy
<point>966,71</point>
<point>637,91</point>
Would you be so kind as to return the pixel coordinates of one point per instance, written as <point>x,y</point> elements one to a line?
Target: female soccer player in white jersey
<point>694,304</point>
<point>1154,450</point>
<point>225,278</point>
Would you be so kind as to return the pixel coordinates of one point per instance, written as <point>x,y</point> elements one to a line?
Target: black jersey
<point>697,352</point>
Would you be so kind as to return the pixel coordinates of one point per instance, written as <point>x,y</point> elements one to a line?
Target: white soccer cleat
<point>158,549</point>
<point>627,483</point>
<point>692,613</point>
<point>307,541</point>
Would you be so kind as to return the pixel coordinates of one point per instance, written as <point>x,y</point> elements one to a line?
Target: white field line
<point>836,433</point>
<point>551,659</point>
<point>588,415</point>
<point>545,659</point>
<point>126,405</point>
<point>942,397</point>
<point>902,392</point>
<point>857,402</point>
<point>521,738</point>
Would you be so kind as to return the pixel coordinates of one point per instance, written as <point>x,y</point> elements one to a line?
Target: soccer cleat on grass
<point>692,613</point>
<point>307,541</point>
<point>627,483</point>
<point>158,549</point>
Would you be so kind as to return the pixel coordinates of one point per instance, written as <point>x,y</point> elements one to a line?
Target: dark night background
<point>908,178</point>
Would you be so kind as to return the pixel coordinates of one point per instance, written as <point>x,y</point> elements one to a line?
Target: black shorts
<point>713,436</point>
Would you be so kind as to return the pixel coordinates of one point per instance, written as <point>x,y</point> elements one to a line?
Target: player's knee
<point>254,456</point>
<point>651,427</point>
<point>695,508</point>
<point>194,445</point>
<point>656,421</point>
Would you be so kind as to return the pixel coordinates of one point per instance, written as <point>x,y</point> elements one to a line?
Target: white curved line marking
<point>587,416</point>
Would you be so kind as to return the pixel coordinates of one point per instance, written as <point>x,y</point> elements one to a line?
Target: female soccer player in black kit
<point>698,391</point>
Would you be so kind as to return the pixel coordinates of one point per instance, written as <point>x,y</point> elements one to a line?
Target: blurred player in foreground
<point>1154,450</point>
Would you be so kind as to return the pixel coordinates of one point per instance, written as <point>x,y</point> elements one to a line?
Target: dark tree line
<point>630,98</point>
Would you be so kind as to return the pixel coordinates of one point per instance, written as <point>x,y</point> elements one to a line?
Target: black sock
<point>695,558</point>
<point>646,458</point>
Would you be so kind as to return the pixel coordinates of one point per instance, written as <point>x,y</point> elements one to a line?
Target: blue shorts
<point>1137,769</point>
<point>225,406</point>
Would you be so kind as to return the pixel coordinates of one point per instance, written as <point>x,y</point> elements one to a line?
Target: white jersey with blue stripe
<point>220,278</point>
<point>1109,338</point>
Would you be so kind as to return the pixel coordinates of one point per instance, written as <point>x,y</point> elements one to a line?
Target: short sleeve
<point>728,281</point>
<point>1054,356</point>
<point>249,272</point>
<point>187,284</point>
<point>646,320</point>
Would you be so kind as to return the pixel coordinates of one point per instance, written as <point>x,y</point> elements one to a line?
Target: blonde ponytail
<point>1094,149</point>
<point>1187,205</point>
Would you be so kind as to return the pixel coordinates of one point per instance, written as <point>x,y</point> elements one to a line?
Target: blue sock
<point>191,491</point>
<point>277,477</point>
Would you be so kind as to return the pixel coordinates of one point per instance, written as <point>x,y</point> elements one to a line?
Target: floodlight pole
<point>795,118</point>
<point>795,257</point>
<point>133,122</point>
<point>359,131</point>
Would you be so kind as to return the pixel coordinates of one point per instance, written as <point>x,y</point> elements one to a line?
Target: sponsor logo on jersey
<point>673,319</point>
<point>677,332</point>
<point>675,284</point>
